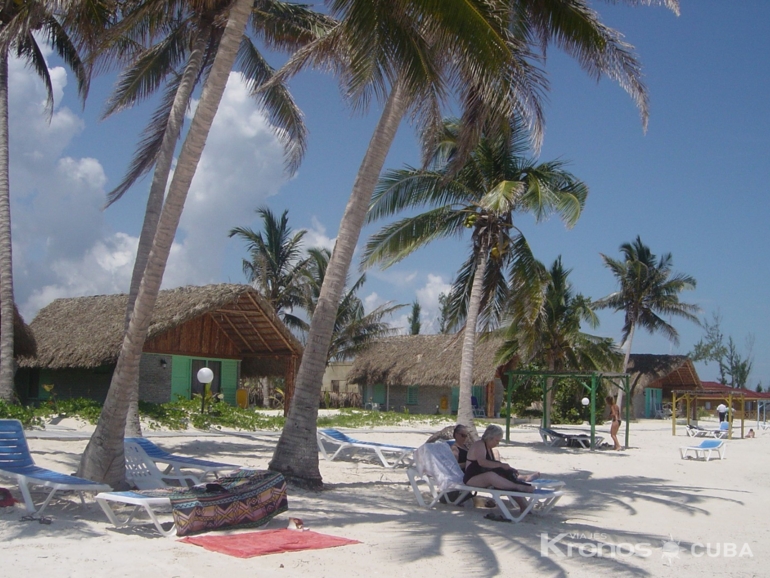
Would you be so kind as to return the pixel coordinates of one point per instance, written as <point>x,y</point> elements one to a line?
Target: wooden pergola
<point>690,397</point>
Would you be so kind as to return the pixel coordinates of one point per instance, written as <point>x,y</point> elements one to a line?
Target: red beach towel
<point>250,544</point>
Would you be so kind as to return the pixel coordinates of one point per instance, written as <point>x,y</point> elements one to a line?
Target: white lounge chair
<point>153,494</point>
<point>151,502</point>
<point>175,464</point>
<point>705,449</point>
<point>336,437</point>
<point>697,431</point>
<point>142,472</point>
<point>16,462</point>
<point>246,497</point>
<point>435,464</point>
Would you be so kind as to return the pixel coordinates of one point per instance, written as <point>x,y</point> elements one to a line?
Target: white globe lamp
<point>585,401</point>
<point>205,375</point>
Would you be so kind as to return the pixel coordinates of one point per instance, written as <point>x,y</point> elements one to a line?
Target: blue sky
<point>695,185</point>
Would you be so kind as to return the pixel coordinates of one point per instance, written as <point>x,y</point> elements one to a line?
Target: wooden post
<point>289,377</point>
<point>673,413</point>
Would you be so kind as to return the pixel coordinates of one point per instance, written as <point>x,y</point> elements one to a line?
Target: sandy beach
<point>645,510</point>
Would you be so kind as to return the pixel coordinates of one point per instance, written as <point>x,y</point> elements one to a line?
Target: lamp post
<point>205,376</point>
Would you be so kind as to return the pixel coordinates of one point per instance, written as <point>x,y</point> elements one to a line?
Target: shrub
<point>25,414</point>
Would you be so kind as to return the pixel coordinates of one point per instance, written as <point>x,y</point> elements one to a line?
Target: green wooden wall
<point>181,377</point>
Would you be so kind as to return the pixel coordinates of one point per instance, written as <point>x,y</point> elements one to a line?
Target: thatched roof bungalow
<point>24,343</point>
<point>421,373</point>
<point>229,328</point>
<point>654,377</point>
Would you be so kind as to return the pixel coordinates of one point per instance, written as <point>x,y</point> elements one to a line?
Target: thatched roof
<point>423,360</point>
<point>23,339</point>
<point>670,371</point>
<point>88,331</point>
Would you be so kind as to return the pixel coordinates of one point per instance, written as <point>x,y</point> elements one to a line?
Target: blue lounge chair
<point>344,442</point>
<point>174,463</point>
<point>705,449</point>
<point>16,462</point>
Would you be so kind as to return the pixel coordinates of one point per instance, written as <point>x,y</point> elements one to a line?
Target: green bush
<point>25,414</point>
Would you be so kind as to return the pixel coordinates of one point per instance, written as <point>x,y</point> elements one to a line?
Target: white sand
<point>641,498</point>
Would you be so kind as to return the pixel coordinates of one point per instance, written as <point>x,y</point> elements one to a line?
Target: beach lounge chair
<point>16,462</point>
<point>246,498</point>
<point>435,464</point>
<point>142,472</point>
<point>697,431</point>
<point>174,464</point>
<point>555,439</point>
<point>705,449</point>
<point>336,437</point>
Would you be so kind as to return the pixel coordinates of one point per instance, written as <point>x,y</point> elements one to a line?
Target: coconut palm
<point>354,329</point>
<point>22,25</point>
<point>411,54</point>
<point>183,39</point>
<point>275,267</point>
<point>103,459</point>
<point>551,335</point>
<point>494,184</point>
<point>649,289</point>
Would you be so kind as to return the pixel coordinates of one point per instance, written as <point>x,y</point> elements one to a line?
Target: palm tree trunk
<point>6,257</point>
<point>155,202</point>
<point>103,459</point>
<point>626,358</point>
<point>465,404</point>
<point>296,455</point>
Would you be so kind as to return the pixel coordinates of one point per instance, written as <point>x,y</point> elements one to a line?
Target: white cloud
<point>316,236</point>
<point>428,295</point>
<point>105,268</point>
<point>242,165</point>
<point>62,245</point>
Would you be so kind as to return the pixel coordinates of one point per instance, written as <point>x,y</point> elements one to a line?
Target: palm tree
<point>103,458</point>
<point>648,290</point>
<point>189,37</point>
<point>275,267</point>
<point>494,184</point>
<point>22,25</point>
<point>551,335</point>
<point>354,329</point>
<point>411,54</point>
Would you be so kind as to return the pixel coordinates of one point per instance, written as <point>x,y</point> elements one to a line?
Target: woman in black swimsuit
<point>460,447</point>
<point>615,417</point>
<point>484,471</point>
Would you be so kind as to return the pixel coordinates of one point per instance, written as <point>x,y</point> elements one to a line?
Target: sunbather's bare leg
<point>491,479</point>
<point>530,477</point>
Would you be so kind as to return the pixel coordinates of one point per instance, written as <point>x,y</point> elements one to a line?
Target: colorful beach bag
<point>246,498</point>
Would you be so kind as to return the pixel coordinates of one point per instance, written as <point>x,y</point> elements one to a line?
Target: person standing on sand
<point>722,412</point>
<point>615,417</point>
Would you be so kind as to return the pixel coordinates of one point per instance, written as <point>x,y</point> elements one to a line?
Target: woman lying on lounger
<point>484,471</point>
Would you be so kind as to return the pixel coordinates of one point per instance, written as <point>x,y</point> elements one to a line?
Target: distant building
<point>421,373</point>
<point>228,328</point>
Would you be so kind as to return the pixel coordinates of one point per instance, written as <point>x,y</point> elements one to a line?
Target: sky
<point>695,184</point>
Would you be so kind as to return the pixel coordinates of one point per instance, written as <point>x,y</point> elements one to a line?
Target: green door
<point>181,373</point>
<point>229,380</point>
<point>455,399</point>
<point>480,393</point>
<point>653,400</point>
<point>378,394</point>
